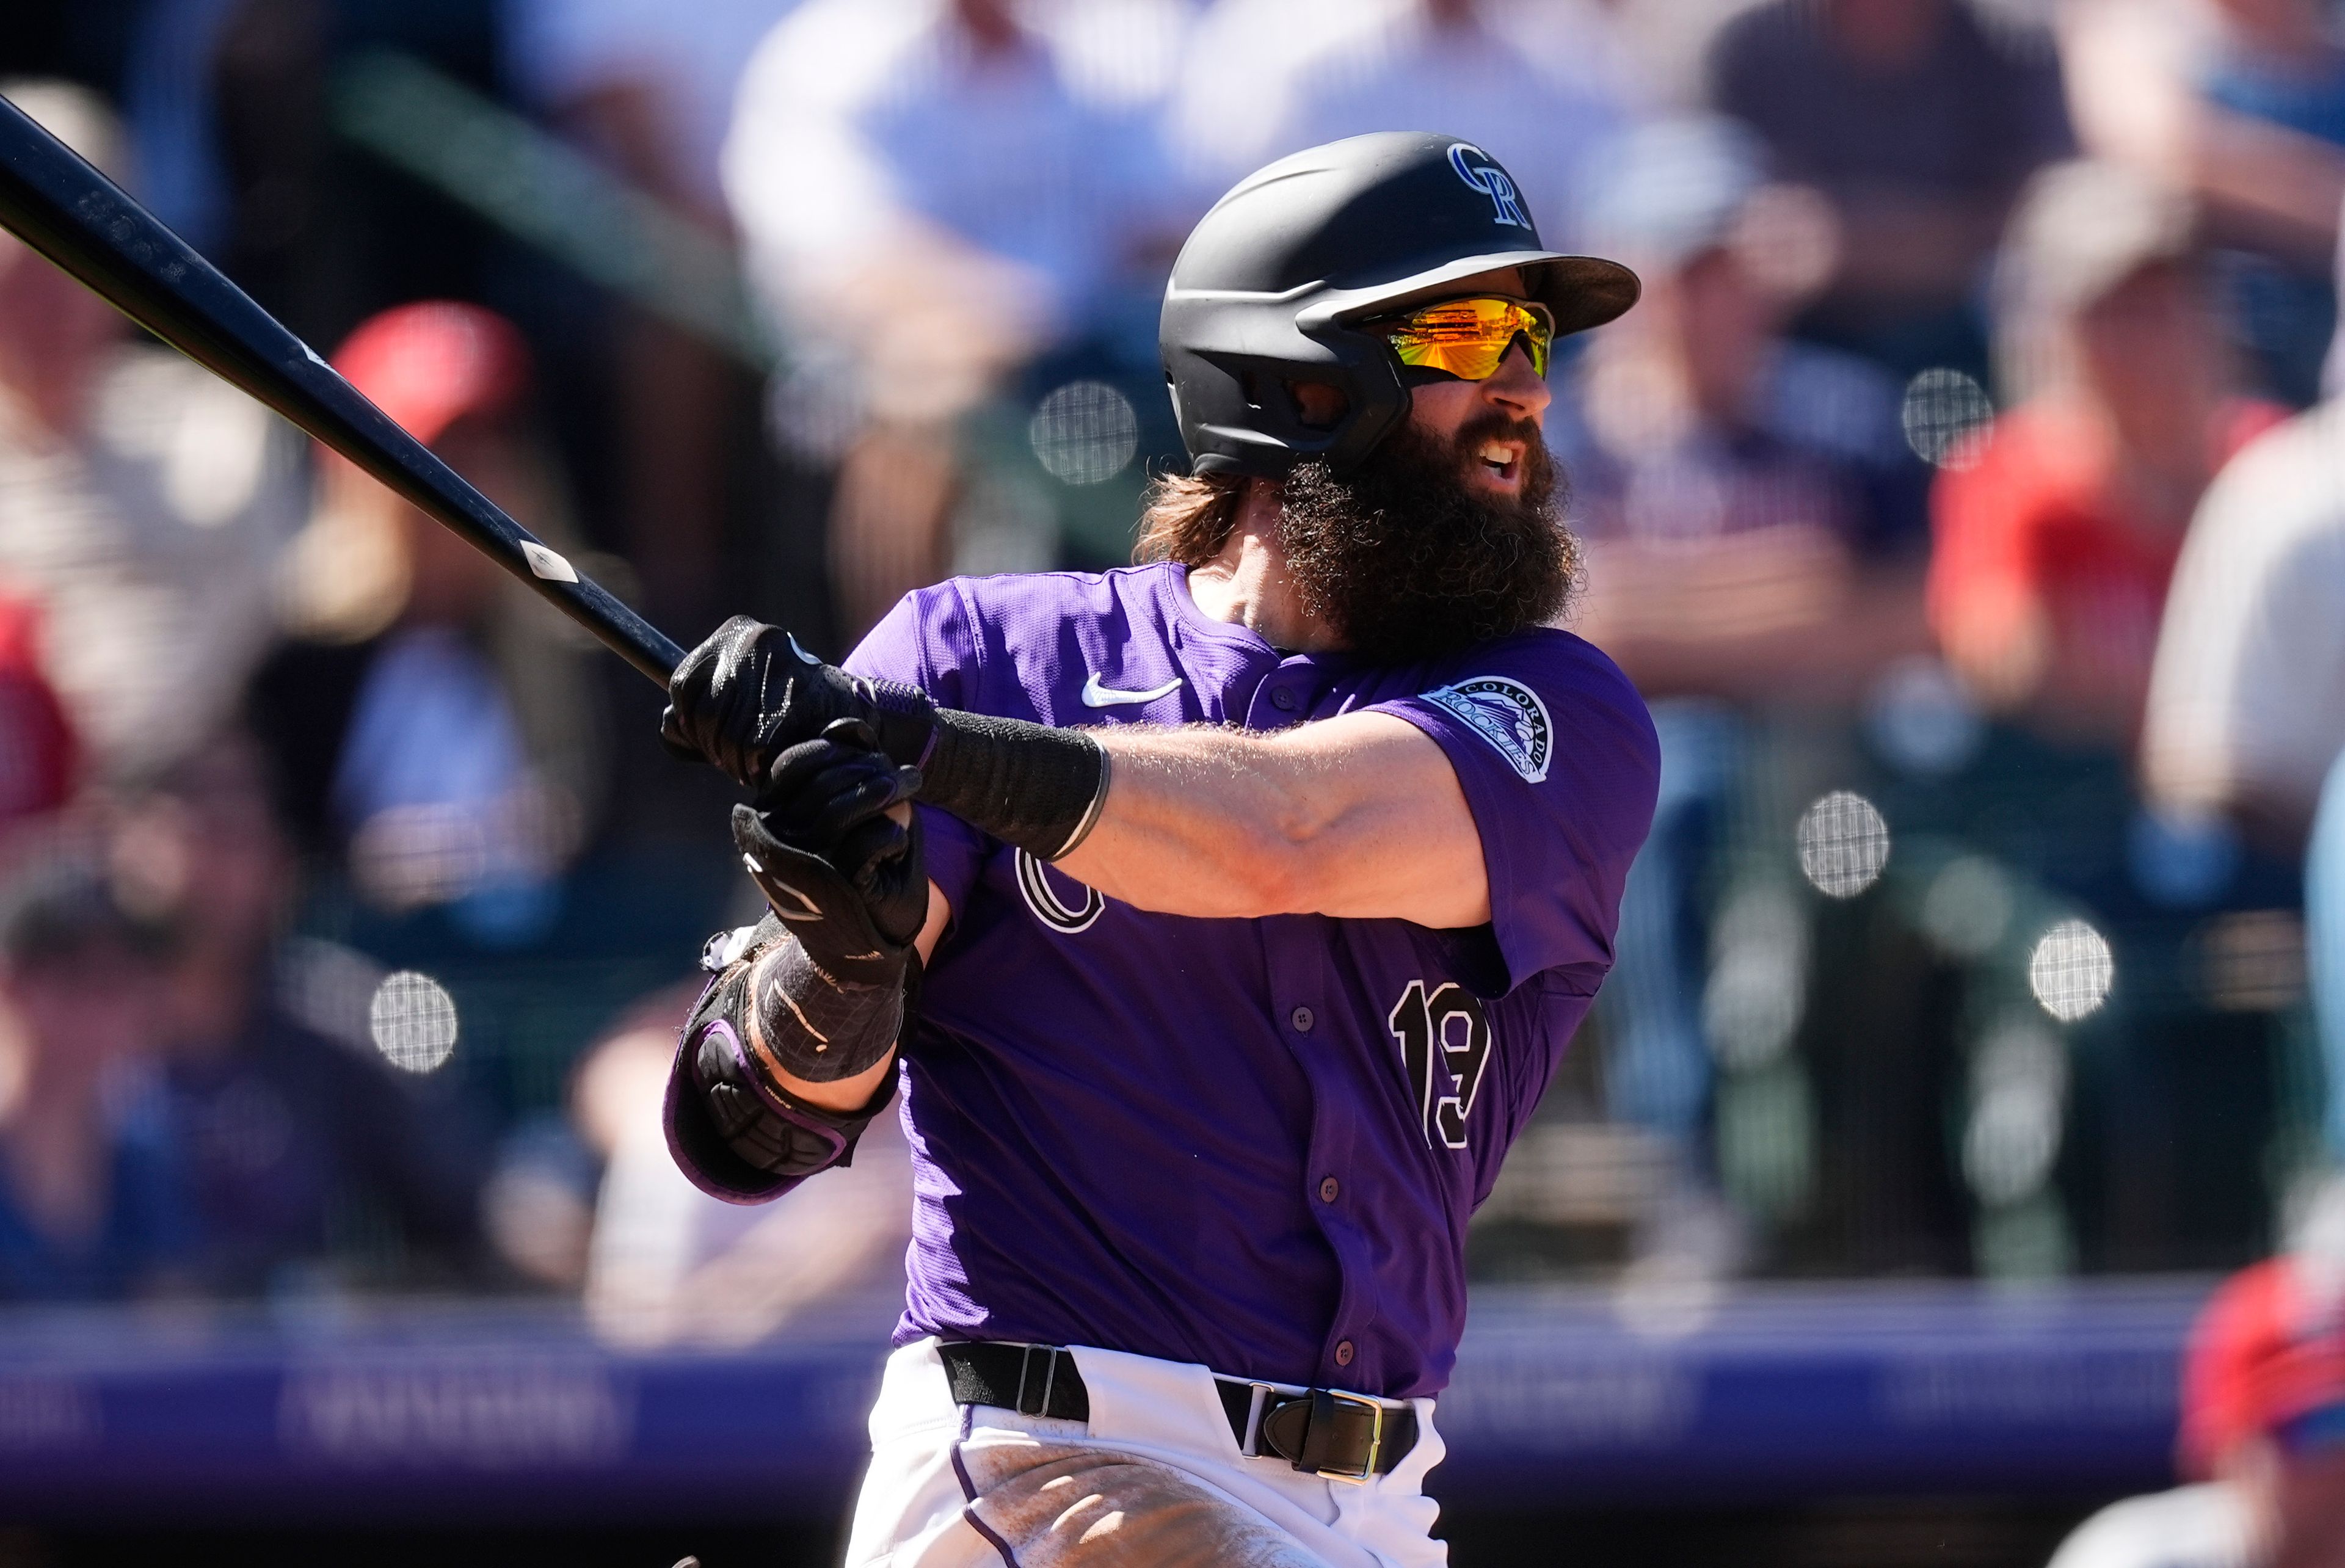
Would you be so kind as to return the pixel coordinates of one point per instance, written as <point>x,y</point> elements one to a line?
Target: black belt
<point>1344,1437</point>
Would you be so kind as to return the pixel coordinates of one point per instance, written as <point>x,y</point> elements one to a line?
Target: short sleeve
<point>1559,765</point>
<point>925,641</point>
<point>2248,694</point>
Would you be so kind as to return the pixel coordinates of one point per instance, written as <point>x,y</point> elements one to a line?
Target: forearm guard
<point>815,1027</point>
<point>732,1129</point>
<point>1038,788</point>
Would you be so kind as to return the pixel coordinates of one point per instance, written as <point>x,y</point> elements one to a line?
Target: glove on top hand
<point>750,693</point>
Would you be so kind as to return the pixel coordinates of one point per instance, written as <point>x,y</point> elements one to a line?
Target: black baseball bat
<point>61,207</point>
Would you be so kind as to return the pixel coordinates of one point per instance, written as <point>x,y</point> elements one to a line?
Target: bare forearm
<point>1360,818</point>
<point>2265,178</point>
<point>1198,821</point>
<point>1692,643</point>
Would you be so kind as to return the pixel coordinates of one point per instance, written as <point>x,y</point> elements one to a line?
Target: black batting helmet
<point>1271,286</point>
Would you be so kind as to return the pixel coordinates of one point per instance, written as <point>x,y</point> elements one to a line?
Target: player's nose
<point>1521,391</point>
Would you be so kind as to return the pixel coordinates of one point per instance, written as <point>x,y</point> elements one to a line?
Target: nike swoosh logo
<point>771,883</point>
<point>1098,696</point>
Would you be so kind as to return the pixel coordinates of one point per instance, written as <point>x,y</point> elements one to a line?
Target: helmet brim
<point>1582,291</point>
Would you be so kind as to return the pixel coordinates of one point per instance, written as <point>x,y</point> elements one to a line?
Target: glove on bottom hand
<point>850,886</point>
<point>823,989</point>
<point>843,875</point>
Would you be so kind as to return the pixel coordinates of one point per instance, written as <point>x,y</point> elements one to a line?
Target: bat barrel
<point>79,219</point>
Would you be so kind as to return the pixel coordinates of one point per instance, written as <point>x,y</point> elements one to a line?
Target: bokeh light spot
<point>2019,1087</point>
<point>1085,433</point>
<point>1921,718</point>
<point>1968,908</point>
<point>413,1020</point>
<point>1946,415</point>
<point>1750,1007</point>
<point>2072,970</point>
<point>1844,844</point>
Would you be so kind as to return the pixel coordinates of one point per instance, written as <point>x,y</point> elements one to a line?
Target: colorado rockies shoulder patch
<point>1506,713</point>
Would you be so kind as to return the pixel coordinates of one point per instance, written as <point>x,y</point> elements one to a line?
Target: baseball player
<point>1250,899</point>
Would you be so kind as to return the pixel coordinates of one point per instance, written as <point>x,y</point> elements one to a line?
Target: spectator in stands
<point>301,1145</point>
<point>1665,44</point>
<point>316,223</point>
<point>2247,703</point>
<point>932,191</point>
<point>1917,120</point>
<point>2263,1427</point>
<point>647,88</point>
<point>1543,88</point>
<point>432,717</point>
<point>2324,920</point>
<point>143,503</point>
<point>1753,520</point>
<point>669,1264</point>
<point>39,754</point>
<point>2055,538</point>
<point>1739,492</point>
<point>2241,102</point>
<point>91,1186</point>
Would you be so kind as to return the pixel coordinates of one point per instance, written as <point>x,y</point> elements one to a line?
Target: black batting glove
<point>844,877</point>
<point>750,693</point>
<point>832,797</point>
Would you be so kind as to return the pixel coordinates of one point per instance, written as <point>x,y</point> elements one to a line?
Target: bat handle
<point>636,641</point>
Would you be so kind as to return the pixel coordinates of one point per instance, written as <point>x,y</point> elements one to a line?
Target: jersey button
<point>1282,699</point>
<point>1328,1188</point>
<point>1342,1352</point>
<point>1301,1020</point>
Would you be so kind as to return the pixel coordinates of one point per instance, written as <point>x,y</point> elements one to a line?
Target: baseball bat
<point>61,207</point>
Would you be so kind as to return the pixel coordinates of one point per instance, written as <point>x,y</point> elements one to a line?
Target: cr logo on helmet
<point>1482,173</point>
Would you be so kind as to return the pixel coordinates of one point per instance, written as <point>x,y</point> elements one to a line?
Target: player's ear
<point>1318,406</point>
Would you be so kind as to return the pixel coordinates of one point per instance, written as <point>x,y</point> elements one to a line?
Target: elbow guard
<point>733,1131</point>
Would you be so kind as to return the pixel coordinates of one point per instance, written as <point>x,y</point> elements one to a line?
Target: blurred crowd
<point>1961,495</point>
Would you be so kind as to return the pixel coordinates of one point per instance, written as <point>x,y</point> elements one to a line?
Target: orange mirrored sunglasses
<point>1469,338</point>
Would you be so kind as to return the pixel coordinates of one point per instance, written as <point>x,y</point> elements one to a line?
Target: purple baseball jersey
<point>1253,1144</point>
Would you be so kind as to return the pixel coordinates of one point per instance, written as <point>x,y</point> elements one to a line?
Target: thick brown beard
<point>1405,562</point>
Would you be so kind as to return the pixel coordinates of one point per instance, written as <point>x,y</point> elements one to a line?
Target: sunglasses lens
<point>1469,338</point>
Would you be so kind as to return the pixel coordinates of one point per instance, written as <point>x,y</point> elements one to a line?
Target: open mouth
<point>1501,460</point>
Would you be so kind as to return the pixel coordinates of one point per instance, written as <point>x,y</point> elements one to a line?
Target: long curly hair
<point>1187,518</point>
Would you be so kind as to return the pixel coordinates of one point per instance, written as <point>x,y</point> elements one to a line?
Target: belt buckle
<point>1375,1439</point>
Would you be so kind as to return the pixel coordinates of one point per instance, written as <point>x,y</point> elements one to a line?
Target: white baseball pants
<point>1154,1479</point>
